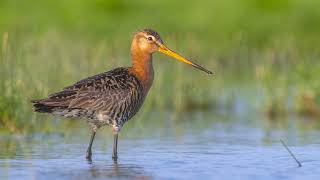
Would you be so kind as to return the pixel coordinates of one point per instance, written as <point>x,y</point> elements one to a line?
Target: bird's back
<point>111,98</point>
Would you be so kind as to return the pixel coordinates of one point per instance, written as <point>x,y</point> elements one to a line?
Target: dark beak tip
<point>205,70</point>
<point>209,72</point>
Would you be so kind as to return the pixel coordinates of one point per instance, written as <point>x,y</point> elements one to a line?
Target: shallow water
<point>194,146</point>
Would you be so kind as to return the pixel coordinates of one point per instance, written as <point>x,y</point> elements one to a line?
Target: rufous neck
<point>142,65</point>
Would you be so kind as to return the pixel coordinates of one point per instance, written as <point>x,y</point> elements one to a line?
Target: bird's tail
<point>42,107</point>
<point>55,102</point>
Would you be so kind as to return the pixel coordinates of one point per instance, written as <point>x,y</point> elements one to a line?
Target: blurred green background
<point>264,54</point>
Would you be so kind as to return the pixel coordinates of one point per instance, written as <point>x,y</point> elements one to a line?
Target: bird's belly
<point>117,115</point>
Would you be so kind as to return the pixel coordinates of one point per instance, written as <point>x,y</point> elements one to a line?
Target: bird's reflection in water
<point>118,171</point>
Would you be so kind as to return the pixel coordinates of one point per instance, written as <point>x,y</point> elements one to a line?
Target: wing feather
<point>92,93</point>
<point>97,91</point>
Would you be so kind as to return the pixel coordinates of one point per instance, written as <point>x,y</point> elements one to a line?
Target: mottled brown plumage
<point>111,98</point>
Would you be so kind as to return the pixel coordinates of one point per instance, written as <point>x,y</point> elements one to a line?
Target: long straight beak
<point>163,49</point>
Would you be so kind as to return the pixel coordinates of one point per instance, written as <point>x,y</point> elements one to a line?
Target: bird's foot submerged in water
<point>89,155</point>
<point>114,158</point>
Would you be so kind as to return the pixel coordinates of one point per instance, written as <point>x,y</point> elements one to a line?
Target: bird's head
<point>149,41</point>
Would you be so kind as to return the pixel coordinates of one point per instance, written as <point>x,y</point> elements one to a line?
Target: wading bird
<point>113,97</point>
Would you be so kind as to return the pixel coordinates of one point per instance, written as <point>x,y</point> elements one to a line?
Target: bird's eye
<point>150,38</point>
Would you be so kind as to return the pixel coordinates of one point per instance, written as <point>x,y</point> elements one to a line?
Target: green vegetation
<point>263,53</point>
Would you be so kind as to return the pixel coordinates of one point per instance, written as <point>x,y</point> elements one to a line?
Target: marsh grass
<point>37,66</point>
<point>258,60</point>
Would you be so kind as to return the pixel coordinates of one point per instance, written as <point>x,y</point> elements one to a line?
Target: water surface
<point>195,145</point>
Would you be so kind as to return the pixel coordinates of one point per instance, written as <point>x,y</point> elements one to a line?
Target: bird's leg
<point>89,152</point>
<point>115,147</point>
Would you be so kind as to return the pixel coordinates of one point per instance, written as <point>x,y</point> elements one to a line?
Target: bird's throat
<point>142,67</point>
